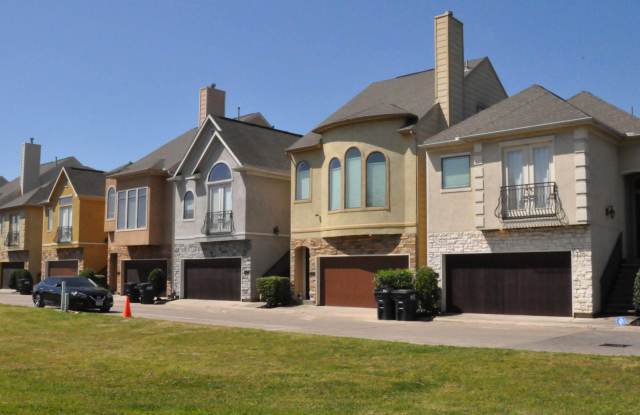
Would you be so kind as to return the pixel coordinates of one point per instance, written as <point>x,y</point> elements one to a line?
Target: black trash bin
<point>131,290</point>
<point>147,293</point>
<point>406,304</point>
<point>25,286</point>
<point>386,307</point>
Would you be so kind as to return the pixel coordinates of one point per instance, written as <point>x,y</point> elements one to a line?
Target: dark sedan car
<point>83,294</point>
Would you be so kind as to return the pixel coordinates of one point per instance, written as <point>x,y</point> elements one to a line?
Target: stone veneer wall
<point>183,250</point>
<point>575,239</point>
<point>350,245</point>
<point>126,253</point>
<point>51,253</point>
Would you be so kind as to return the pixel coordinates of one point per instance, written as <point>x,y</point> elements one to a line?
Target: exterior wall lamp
<point>609,211</point>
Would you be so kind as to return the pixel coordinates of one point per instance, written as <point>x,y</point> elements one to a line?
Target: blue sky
<point>110,81</point>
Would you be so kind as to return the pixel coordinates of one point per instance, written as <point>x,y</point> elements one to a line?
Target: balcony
<point>12,239</point>
<point>218,223</point>
<point>64,234</point>
<point>529,201</point>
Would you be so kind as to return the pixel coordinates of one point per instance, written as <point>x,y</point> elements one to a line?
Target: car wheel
<point>38,301</point>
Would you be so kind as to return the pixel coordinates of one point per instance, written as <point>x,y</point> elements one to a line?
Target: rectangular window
<point>49,219</point>
<point>122,210</point>
<point>456,172</point>
<point>64,201</point>
<point>132,208</point>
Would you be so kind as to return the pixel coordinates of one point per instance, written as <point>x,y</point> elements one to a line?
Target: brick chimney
<point>29,167</point>
<point>449,66</point>
<point>211,102</point>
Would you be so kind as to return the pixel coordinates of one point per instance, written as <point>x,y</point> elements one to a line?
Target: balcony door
<point>220,197</point>
<point>527,179</point>
<point>66,220</point>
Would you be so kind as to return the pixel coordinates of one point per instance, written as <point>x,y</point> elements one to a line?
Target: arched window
<point>353,178</point>
<point>111,203</point>
<point>334,184</point>
<point>376,180</point>
<point>303,184</point>
<point>187,206</point>
<point>219,172</point>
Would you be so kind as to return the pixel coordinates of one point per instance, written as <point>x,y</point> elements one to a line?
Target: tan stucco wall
<point>313,219</point>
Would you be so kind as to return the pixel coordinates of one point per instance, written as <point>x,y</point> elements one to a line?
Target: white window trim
<point>115,204</point>
<point>295,184</point>
<point>220,181</point>
<point>49,219</point>
<point>455,189</point>
<point>126,210</point>
<point>528,147</point>
<point>194,206</point>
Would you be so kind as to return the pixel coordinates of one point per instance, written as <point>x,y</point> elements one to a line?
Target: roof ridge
<point>88,169</point>
<point>256,125</point>
<point>605,102</point>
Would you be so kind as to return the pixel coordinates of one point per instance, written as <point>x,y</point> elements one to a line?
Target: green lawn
<point>54,363</point>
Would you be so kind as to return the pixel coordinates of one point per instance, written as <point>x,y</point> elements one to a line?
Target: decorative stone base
<point>348,245</point>
<point>127,253</point>
<point>575,239</point>
<point>51,253</point>
<point>211,250</point>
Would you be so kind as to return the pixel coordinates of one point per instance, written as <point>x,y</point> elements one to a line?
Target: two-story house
<point>231,204</point>
<point>21,212</point>
<point>138,213</point>
<point>532,203</point>
<point>358,179</point>
<point>73,237</point>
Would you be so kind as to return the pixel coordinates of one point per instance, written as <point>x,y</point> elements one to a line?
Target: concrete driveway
<point>553,334</point>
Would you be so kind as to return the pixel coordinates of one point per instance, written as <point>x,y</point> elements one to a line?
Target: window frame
<point>527,151</point>
<point>442,173</point>
<point>340,183</point>
<point>126,208</point>
<point>295,190</point>
<point>387,189</point>
<point>115,203</point>
<point>49,213</point>
<point>193,206</point>
<point>345,179</point>
<point>216,164</point>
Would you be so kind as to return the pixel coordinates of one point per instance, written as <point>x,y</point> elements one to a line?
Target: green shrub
<point>16,276</point>
<point>87,273</point>
<point>393,279</point>
<point>636,292</point>
<point>274,291</point>
<point>158,280</point>
<point>427,290</point>
<point>100,280</point>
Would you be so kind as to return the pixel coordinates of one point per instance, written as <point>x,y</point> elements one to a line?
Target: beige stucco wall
<point>629,155</point>
<point>313,219</point>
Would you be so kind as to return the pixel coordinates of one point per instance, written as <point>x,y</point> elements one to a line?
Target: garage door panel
<point>522,283</point>
<point>348,281</point>
<point>213,279</point>
<point>7,270</point>
<point>63,268</point>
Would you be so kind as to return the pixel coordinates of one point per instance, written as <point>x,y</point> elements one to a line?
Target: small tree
<point>428,290</point>
<point>393,279</point>
<point>158,280</point>
<point>16,277</point>
<point>636,293</point>
<point>87,273</point>
<point>274,291</point>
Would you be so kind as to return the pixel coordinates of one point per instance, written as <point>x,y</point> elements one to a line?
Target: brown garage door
<point>348,281</point>
<point>212,279</point>
<point>63,268</point>
<point>7,270</point>
<point>138,270</point>
<point>522,283</point>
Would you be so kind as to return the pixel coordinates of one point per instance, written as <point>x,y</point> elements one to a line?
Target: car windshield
<point>78,282</point>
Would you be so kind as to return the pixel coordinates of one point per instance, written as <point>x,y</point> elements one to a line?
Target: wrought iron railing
<point>12,238</point>
<point>64,234</point>
<point>218,222</point>
<point>529,201</point>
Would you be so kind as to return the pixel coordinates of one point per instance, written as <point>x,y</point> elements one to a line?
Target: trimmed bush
<point>100,280</point>
<point>87,273</point>
<point>274,291</point>
<point>428,290</point>
<point>158,280</point>
<point>393,279</point>
<point>16,276</point>
<point>636,292</point>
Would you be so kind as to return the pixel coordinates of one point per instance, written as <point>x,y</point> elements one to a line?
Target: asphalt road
<point>549,334</point>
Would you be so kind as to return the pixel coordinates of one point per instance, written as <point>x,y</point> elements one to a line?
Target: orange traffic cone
<point>126,313</point>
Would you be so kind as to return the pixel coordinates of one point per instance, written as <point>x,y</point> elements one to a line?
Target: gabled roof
<point>534,106</point>
<point>10,196</point>
<point>410,95</point>
<point>605,113</point>
<point>255,118</point>
<point>84,181</point>
<point>164,158</point>
<point>253,146</point>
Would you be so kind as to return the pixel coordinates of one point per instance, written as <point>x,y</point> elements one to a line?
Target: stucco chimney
<point>211,102</point>
<point>30,167</point>
<point>449,66</point>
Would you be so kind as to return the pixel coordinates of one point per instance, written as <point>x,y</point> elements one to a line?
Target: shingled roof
<point>606,113</point>
<point>410,95</point>
<point>85,181</point>
<point>10,195</point>
<point>164,158</point>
